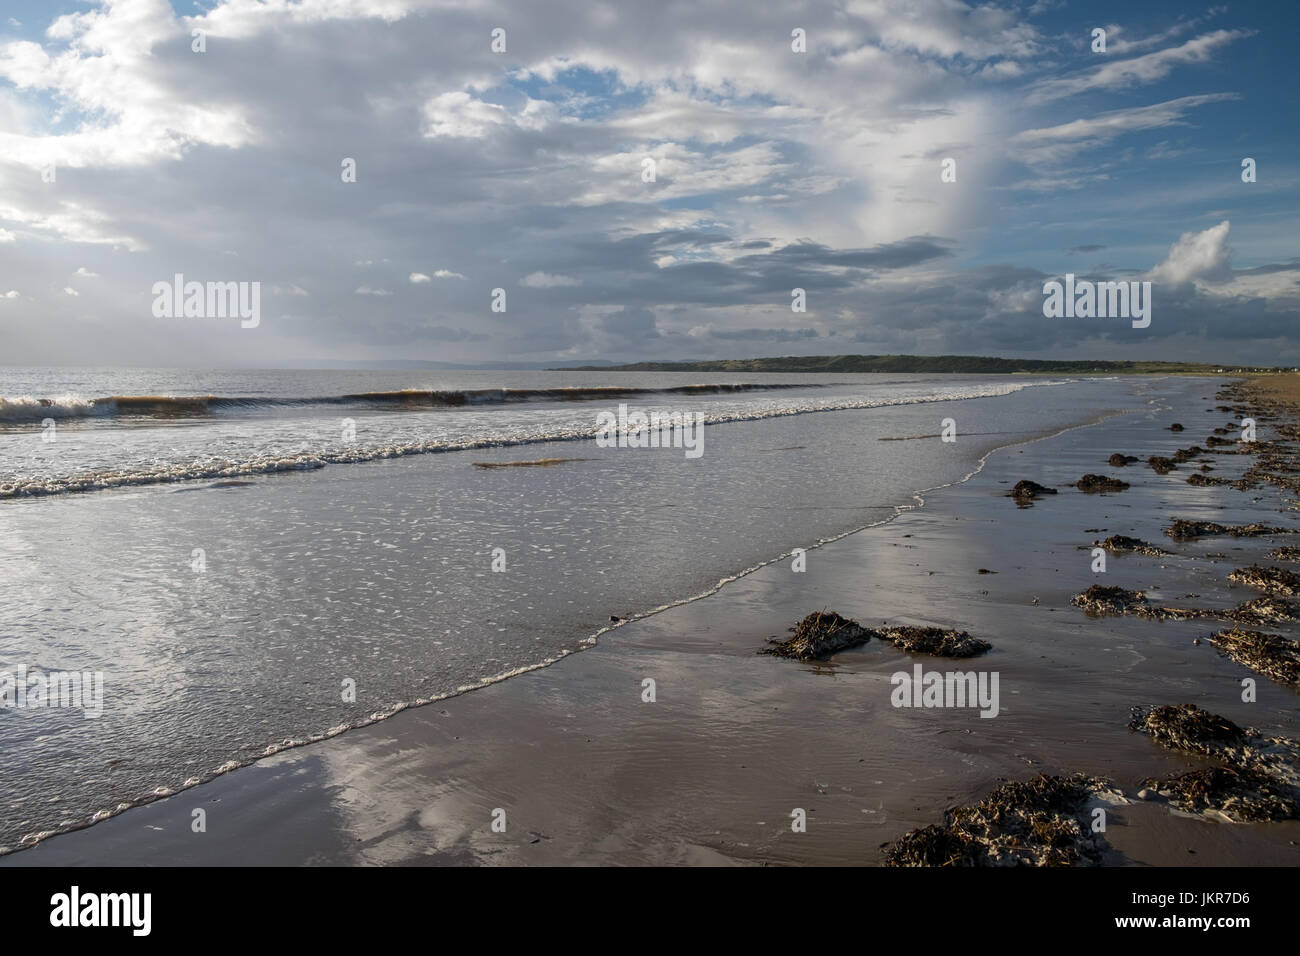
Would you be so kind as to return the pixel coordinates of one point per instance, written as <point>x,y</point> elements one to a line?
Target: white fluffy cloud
<point>1197,257</point>
<point>119,66</point>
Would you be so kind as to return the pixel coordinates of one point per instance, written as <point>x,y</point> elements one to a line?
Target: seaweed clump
<point>1119,461</point>
<point>823,633</point>
<point>933,640</point>
<point>1025,491</point>
<point>1272,655</point>
<point>1100,483</point>
<point>1183,528</point>
<point>1187,728</point>
<point>1042,822</point>
<point>1100,600</point>
<point>1105,599</point>
<point>1244,796</point>
<point>818,636</point>
<point>1257,776</point>
<point>1262,610</point>
<point>1123,544</point>
<point>1270,580</point>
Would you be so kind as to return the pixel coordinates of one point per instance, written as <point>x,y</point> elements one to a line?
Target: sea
<point>244,561</point>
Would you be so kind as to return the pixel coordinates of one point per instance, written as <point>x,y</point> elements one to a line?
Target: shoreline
<point>589,772</point>
<point>901,499</point>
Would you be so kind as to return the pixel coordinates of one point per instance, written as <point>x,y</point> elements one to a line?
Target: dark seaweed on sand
<point>1042,822</point>
<point>1262,610</point>
<point>1025,491</point>
<point>1247,796</point>
<point>1257,777</point>
<point>818,636</point>
<point>1186,727</point>
<point>1123,544</point>
<point>1102,599</point>
<point>823,633</point>
<point>1270,580</point>
<point>1272,655</point>
<point>1183,528</point>
<point>1100,483</point>
<point>933,640</point>
<point>1105,599</point>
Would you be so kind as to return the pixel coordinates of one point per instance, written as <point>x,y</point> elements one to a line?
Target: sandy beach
<point>585,769</point>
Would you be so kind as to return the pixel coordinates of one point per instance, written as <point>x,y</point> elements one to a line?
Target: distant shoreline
<point>960,364</point>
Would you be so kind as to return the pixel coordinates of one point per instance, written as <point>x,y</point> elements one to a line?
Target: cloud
<point>774,171</point>
<point>245,18</point>
<point>11,294</point>
<point>1118,41</point>
<point>84,273</point>
<point>1055,143</point>
<point>68,290</point>
<point>1196,256</point>
<point>762,335</point>
<point>1125,74</point>
<point>545,280</point>
<point>126,108</point>
<point>458,115</point>
<point>949,29</point>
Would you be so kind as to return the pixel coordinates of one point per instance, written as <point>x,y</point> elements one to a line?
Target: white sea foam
<point>214,468</point>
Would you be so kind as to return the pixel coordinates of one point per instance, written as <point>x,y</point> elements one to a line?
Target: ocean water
<point>64,432</point>
<point>256,560</point>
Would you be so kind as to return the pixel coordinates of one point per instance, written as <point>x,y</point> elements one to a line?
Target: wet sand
<point>587,772</point>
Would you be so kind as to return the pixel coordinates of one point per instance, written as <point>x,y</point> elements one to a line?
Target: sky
<point>128,156</point>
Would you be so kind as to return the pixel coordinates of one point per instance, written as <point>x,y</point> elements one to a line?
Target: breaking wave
<point>217,468</point>
<point>27,408</point>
